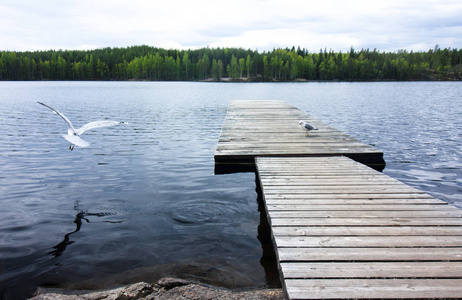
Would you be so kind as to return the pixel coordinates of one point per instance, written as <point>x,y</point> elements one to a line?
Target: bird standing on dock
<point>73,135</point>
<point>307,127</point>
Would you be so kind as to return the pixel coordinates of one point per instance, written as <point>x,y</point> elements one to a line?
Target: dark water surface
<point>143,202</point>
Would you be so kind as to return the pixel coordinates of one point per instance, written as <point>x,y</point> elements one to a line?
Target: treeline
<point>150,63</point>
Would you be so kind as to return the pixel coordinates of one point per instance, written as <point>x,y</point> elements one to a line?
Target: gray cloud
<point>387,25</point>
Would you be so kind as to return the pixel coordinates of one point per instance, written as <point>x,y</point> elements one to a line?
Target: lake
<point>143,202</point>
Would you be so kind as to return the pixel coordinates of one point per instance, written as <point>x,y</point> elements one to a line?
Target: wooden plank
<point>331,173</point>
<point>285,149</point>
<point>378,188</point>
<point>349,221</point>
<point>367,241</point>
<point>320,172</point>
<point>370,254</point>
<point>365,214</point>
<point>374,288</point>
<point>341,181</point>
<point>357,207</point>
<point>372,196</point>
<point>312,161</point>
<point>319,164</point>
<point>328,180</point>
<point>365,201</point>
<point>290,145</point>
<point>427,269</point>
<point>367,231</point>
<point>339,189</point>
<point>334,183</point>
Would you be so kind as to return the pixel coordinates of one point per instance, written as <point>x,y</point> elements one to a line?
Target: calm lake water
<point>142,201</point>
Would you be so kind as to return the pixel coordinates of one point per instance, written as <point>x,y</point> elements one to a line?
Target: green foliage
<point>233,68</point>
<point>150,63</point>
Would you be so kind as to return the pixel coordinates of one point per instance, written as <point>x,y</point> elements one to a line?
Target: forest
<point>230,64</point>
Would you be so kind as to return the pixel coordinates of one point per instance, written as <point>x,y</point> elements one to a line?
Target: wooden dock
<point>270,128</point>
<point>341,229</point>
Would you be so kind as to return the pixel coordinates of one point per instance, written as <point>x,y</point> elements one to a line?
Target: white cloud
<point>264,24</point>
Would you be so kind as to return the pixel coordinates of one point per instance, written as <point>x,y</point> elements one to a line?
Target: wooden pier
<point>342,230</point>
<point>270,128</point>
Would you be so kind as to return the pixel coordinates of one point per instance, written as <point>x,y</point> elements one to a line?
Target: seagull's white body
<point>307,127</point>
<point>73,135</point>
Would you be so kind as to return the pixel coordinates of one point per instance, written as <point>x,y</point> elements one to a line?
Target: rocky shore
<point>165,288</point>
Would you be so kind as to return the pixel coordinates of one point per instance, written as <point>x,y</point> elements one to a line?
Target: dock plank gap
<point>270,128</point>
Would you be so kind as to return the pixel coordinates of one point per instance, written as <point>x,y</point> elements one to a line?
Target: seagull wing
<point>59,114</point>
<point>76,140</point>
<point>96,124</point>
<point>309,127</point>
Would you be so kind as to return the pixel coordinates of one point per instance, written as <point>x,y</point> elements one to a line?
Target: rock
<point>170,283</point>
<point>165,288</point>
<point>134,291</point>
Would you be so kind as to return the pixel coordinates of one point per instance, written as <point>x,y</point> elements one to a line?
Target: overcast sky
<point>254,24</point>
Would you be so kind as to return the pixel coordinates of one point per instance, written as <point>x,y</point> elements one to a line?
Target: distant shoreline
<point>147,63</point>
<point>237,80</point>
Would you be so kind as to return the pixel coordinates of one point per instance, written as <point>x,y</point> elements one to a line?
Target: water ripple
<point>202,211</point>
<point>145,194</point>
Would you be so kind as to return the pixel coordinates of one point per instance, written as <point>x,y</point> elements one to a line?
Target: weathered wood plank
<point>350,221</point>
<point>320,170</point>
<point>374,288</point>
<point>329,180</point>
<point>357,207</point>
<point>284,150</point>
<point>331,186</point>
<point>370,254</point>
<point>365,214</point>
<point>364,201</point>
<point>332,173</point>
<point>384,189</point>
<point>312,161</point>
<point>367,231</point>
<point>314,172</point>
<point>367,241</point>
<point>262,149</point>
<point>282,196</point>
<point>372,270</point>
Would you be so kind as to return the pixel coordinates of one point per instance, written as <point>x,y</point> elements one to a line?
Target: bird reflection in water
<point>79,218</point>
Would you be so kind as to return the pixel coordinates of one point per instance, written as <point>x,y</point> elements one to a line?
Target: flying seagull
<point>305,126</point>
<point>73,135</point>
